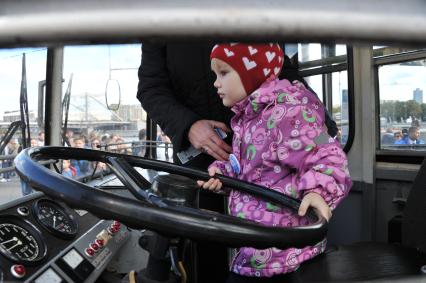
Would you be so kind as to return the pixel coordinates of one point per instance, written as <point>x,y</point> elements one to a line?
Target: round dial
<point>55,218</point>
<point>20,242</point>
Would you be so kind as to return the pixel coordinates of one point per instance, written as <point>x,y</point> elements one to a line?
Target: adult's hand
<point>202,136</point>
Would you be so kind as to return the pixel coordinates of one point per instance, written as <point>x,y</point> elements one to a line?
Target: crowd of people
<point>396,136</point>
<point>107,142</point>
<point>79,168</point>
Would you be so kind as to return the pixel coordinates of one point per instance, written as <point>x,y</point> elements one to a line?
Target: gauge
<point>20,241</point>
<point>55,218</point>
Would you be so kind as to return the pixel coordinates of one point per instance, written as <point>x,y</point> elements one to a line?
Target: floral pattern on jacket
<point>281,142</point>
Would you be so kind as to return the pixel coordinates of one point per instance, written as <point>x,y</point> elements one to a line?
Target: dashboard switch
<point>100,242</point>
<point>18,270</point>
<point>94,246</point>
<point>89,252</point>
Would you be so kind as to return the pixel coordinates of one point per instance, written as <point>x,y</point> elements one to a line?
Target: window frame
<point>388,155</point>
<point>328,66</point>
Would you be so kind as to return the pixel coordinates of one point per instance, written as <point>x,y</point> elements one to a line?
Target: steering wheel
<point>153,213</point>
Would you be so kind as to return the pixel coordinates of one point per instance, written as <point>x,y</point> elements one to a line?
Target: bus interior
<point>68,72</point>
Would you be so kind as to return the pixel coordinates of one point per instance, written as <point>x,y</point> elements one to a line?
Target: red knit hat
<point>255,63</point>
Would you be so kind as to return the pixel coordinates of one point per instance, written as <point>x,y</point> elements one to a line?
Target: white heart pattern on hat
<point>252,50</point>
<point>249,64</point>
<point>266,71</point>
<point>270,56</point>
<point>228,52</point>
<point>276,70</point>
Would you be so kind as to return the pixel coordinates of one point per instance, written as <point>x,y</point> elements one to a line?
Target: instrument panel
<point>41,238</point>
<point>55,218</point>
<point>20,241</point>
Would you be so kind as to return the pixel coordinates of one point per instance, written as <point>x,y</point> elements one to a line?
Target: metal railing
<point>135,145</point>
<point>133,20</point>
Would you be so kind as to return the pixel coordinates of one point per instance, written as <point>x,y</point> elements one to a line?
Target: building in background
<point>418,95</point>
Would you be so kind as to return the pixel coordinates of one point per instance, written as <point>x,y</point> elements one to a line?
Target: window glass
<point>103,108</point>
<point>402,106</point>
<point>331,86</point>
<point>340,100</point>
<point>315,82</point>
<point>11,90</point>
<point>340,109</point>
<point>316,51</point>
<point>388,50</point>
<point>309,52</point>
<point>340,49</point>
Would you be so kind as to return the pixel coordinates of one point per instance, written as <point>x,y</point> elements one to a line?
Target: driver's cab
<point>106,203</point>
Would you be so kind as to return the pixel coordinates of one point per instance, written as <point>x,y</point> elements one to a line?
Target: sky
<point>90,66</point>
<point>397,82</point>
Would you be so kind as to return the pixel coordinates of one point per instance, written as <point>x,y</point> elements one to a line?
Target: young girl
<point>280,142</point>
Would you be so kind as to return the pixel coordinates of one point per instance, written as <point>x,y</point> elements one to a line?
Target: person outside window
<point>82,166</point>
<point>11,149</point>
<point>40,138</point>
<point>138,148</point>
<point>388,137</point>
<point>68,170</point>
<point>412,138</point>
<point>397,135</point>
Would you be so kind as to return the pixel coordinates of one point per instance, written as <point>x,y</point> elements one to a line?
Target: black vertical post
<point>25,125</point>
<point>151,135</point>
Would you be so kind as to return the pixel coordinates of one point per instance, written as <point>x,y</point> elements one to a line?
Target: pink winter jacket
<point>281,142</point>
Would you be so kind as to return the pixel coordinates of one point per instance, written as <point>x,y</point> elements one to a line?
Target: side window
<point>402,112</point>
<point>22,77</point>
<point>324,68</point>
<point>101,82</point>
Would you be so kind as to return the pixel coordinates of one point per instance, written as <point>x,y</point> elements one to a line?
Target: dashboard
<point>43,240</point>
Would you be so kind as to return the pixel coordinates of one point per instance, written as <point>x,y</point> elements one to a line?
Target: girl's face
<point>228,83</point>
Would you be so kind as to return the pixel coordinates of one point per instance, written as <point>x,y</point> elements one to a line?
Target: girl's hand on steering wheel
<point>317,202</point>
<point>212,184</point>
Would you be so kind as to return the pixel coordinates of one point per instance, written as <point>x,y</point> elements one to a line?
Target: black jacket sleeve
<point>159,98</point>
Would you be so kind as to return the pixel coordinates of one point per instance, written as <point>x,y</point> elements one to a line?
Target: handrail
<point>28,22</point>
<point>134,144</point>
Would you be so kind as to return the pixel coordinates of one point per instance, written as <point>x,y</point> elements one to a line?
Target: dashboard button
<point>18,270</point>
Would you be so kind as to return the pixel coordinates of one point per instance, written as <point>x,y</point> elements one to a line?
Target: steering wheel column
<point>174,189</point>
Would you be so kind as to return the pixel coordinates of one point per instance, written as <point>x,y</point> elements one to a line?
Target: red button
<point>112,230</point>
<point>94,246</point>
<point>18,270</point>
<point>89,251</point>
<point>100,242</point>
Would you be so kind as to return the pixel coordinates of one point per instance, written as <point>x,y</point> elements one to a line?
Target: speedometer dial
<point>55,218</point>
<point>20,242</point>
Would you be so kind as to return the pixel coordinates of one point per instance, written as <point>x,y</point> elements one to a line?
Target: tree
<point>400,110</point>
<point>387,110</point>
<point>413,109</point>
<point>423,106</point>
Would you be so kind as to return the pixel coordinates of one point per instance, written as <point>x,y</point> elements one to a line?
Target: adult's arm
<point>158,97</point>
